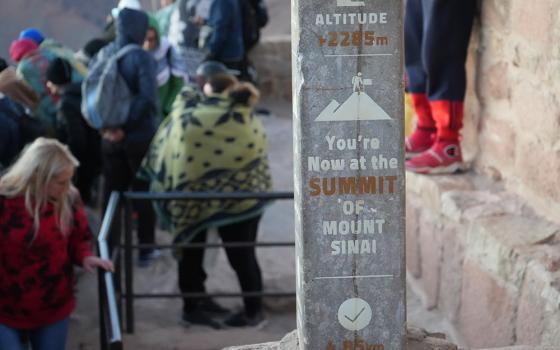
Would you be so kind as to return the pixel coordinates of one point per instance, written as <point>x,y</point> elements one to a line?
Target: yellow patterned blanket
<point>210,145</point>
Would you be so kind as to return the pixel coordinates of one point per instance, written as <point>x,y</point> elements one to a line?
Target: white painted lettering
<point>355,227</point>
<point>318,164</point>
<point>354,247</point>
<point>330,141</point>
<point>383,18</point>
<point>335,246</point>
<point>351,18</point>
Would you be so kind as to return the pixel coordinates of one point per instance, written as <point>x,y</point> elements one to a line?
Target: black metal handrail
<point>208,195</point>
<point>129,294</point>
<point>110,331</point>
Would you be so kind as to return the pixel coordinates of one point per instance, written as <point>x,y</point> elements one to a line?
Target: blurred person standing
<point>124,146</point>
<point>225,43</point>
<point>15,88</point>
<point>45,233</point>
<point>171,72</point>
<point>214,145</point>
<point>32,66</point>
<point>57,48</point>
<point>17,129</point>
<point>437,34</point>
<point>163,15</point>
<point>84,141</point>
<point>185,22</point>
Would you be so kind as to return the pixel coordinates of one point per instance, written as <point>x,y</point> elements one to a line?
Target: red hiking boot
<point>420,140</point>
<point>444,157</point>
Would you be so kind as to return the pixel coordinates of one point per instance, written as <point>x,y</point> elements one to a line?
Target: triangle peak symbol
<point>359,106</point>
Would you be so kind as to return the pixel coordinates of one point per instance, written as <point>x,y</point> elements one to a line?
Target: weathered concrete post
<point>349,175</point>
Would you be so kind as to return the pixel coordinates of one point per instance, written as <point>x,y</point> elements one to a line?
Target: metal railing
<point>111,295</point>
<point>110,328</point>
<point>129,294</point>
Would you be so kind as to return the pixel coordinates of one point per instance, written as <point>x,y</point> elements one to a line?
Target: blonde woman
<point>43,232</point>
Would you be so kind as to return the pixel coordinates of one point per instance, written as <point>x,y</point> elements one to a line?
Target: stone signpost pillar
<point>349,173</point>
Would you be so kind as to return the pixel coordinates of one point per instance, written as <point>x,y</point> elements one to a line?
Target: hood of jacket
<point>153,23</point>
<point>131,27</point>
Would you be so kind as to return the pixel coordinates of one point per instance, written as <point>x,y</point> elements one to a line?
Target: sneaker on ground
<point>146,257</point>
<point>211,307</point>
<point>241,319</point>
<point>200,318</point>
<point>419,141</point>
<point>442,158</point>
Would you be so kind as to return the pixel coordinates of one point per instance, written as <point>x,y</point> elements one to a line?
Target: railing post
<point>119,263</point>
<point>129,301</point>
<point>107,302</point>
<point>101,299</point>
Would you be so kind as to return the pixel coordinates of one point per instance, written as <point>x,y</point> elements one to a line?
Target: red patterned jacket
<point>36,278</point>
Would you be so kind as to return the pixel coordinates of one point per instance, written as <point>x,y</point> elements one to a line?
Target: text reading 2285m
<point>357,38</point>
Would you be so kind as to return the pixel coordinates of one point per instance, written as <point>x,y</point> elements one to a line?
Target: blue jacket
<point>16,129</point>
<point>138,69</point>
<point>226,41</point>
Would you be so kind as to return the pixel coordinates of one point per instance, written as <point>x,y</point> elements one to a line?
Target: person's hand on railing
<point>92,262</point>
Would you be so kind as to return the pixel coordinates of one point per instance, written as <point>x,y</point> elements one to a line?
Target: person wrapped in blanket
<point>214,144</point>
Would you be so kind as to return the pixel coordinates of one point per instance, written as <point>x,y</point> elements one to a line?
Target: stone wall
<point>485,259</point>
<point>517,85</point>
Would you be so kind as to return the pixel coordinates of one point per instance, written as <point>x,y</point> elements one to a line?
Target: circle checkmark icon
<point>354,314</point>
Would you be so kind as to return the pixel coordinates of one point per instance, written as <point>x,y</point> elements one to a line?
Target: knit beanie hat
<point>59,72</point>
<point>22,47</point>
<point>32,34</point>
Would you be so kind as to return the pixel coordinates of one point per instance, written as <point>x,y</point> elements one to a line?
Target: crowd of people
<point>177,116</point>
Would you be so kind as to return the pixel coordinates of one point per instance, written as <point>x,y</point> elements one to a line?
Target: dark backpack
<point>254,16</point>
<point>106,97</point>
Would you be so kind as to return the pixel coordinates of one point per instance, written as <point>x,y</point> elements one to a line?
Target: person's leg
<point>116,174</point>
<point>244,262</point>
<point>146,216</point>
<point>413,38</point>
<point>10,339</point>
<point>50,337</point>
<point>191,272</point>
<point>84,181</point>
<point>444,53</point>
<point>424,133</point>
<point>191,280</point>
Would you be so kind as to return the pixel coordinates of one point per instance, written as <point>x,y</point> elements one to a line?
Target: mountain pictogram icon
<point>359,106</point>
